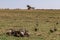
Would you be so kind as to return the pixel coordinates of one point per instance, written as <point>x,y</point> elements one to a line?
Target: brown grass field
<point>27,19</point>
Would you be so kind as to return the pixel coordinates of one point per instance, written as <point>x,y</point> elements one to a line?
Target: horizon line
<point>26,8</point>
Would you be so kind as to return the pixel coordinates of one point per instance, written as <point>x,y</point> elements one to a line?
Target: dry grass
<point>27,19</point>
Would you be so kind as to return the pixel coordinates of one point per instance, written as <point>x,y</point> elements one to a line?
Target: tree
<point>29,7</point>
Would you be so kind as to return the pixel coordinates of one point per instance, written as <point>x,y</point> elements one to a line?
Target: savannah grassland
<point>17,19</point>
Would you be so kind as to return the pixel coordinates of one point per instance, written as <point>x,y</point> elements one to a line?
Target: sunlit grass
<point>27,19</point>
